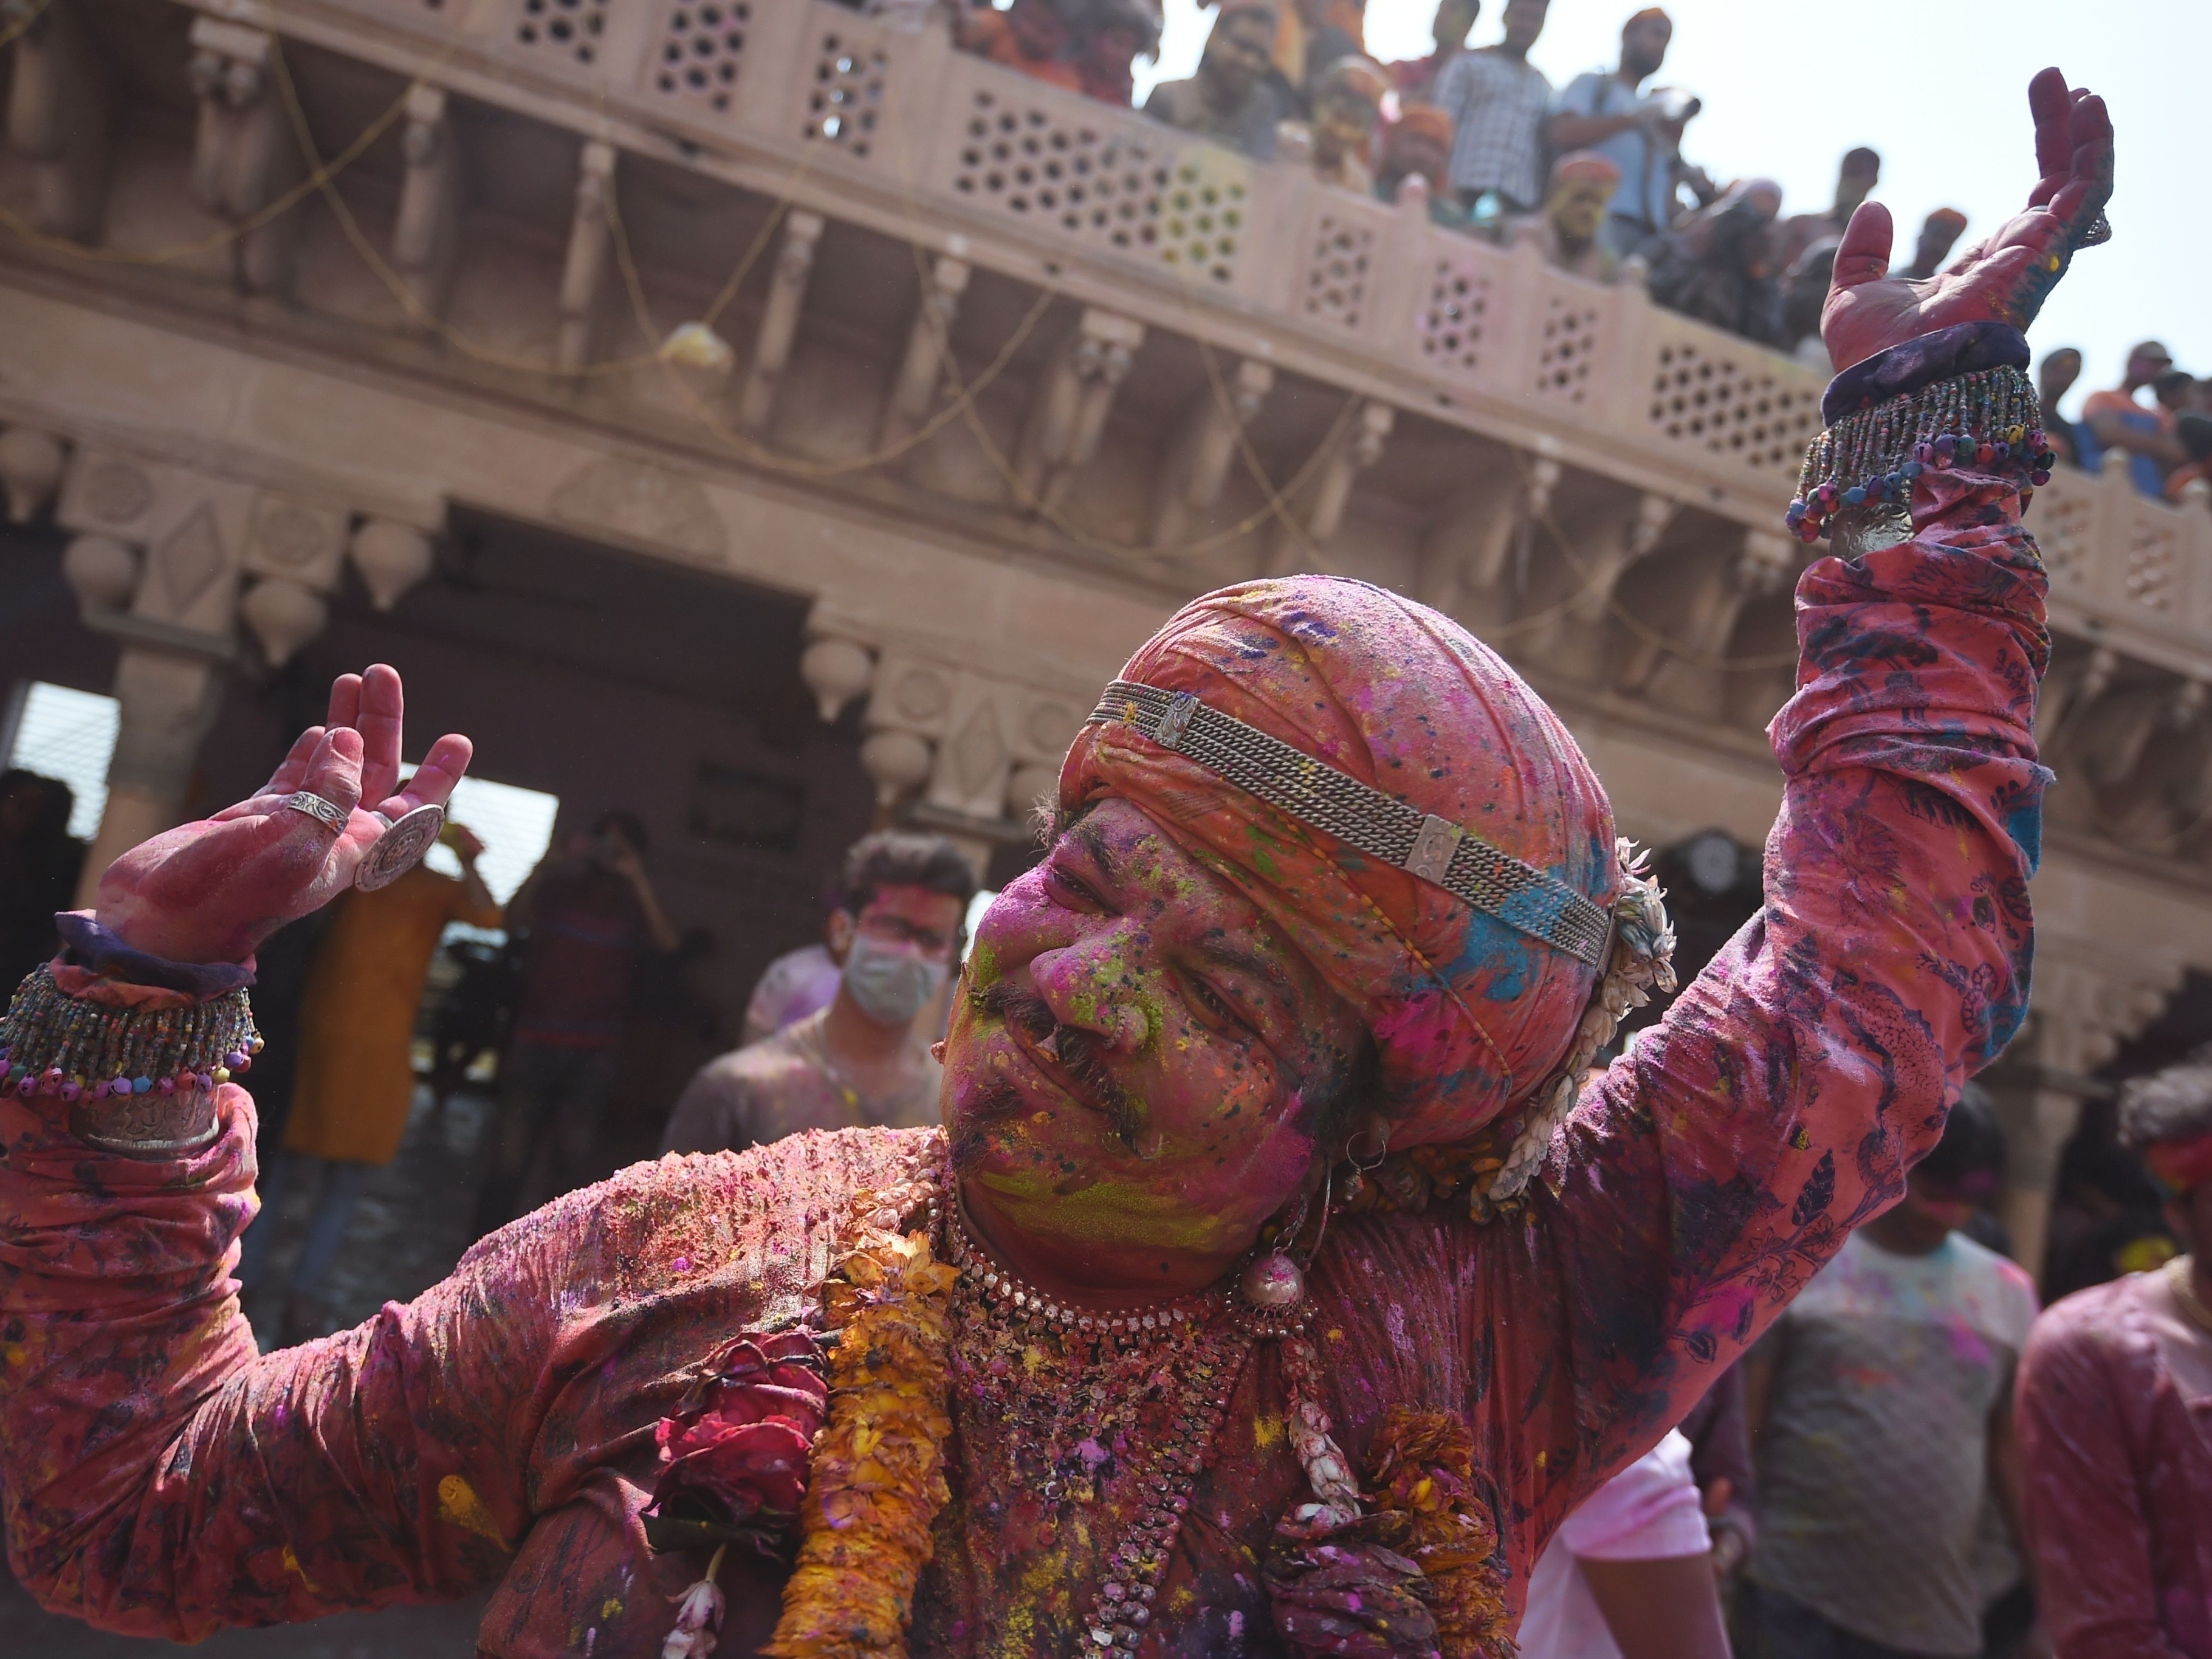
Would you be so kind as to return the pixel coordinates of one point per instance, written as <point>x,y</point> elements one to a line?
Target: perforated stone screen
<point>2154,561</point>
<point>1101,184</point>
<point>1452,326</point>
<point>1337,270</point>
<point>1567,348</point>
<point>1733,406</point>
<point>703,47</point>
<point>567,29</point>
<point>845,99</point>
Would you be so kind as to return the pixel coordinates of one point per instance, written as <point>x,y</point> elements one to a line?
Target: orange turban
<point>1585,164</point>
<point>1469,1013</point>
<point>1424,121</point>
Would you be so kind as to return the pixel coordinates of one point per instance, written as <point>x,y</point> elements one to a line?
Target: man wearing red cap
<point>2115,1399</point>
<point>1277,1281</point>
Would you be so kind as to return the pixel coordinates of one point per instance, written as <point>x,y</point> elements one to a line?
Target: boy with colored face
<point>1882,1408</point>
<point>1568,230</point>
<point>2115,1393</point>
<point>864,1059</point>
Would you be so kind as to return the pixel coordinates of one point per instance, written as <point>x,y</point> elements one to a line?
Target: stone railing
<point>899,132</point>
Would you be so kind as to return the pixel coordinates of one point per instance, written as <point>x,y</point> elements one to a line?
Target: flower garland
<point>878,1478</point>
<point>1420,1572</point>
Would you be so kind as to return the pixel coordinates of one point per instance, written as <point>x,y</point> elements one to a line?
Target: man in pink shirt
<point>2115,1414</point>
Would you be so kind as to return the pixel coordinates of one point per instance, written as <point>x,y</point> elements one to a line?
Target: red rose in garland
<point>733,1458</point>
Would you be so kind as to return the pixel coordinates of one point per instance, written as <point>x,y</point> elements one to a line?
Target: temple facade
<point>776,422</point>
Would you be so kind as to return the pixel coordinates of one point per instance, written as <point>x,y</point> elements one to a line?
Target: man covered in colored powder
<point>1279,1279</point>
<point>2116,1415</point>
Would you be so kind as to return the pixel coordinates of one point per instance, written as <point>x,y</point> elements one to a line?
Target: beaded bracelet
<point>1987,421</point>
<point>53,1043</point>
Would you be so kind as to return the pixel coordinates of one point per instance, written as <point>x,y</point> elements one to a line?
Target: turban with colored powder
<point>1585,164</point>
<point>1424,121</point>
<point>1470,1014</point>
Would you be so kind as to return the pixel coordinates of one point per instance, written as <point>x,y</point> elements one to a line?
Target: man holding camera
<point>1640,135</point>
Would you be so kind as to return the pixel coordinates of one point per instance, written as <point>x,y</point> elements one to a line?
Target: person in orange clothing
<point>1033,36</point>
<point>356,1078</point>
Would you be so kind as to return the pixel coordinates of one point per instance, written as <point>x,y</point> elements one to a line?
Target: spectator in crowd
<point>796,984</point>
<point>1347,105</point>
<point>1856,178</point>
<point>1036,37</point>
<point>1804,291</point>
<point>2054,378</point>
<point>2119,419</point>
<point>865,1059</point>
<point>1311,35</point>
<point>1417,156</point>
<point>589,912</point>
<point>354,1085</point>
<point>1569,229</point>
<point>1113,35</point>
<point>1641,136</point>
<point>1416,77</point>
<point>1629,1574</point>
<point>2115,1395</point>
<point>39,865</point>
<point>1718,1429</point>
<point>1719,267</point>
<point>1234,96</point>
<point>1880,1406</point>
<point>1498,100</point>
<point>1939,234</point>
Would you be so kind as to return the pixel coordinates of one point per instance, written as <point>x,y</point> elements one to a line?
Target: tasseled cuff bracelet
<point>1988,421</point>
<point>1958,397</point>
<point>139,1080</point>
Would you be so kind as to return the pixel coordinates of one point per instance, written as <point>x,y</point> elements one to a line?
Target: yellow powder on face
<point>1267,1430</point>
<point>1104,1211</point>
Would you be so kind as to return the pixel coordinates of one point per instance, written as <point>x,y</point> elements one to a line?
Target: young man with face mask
<point>864,1061</point>
<point>1279,1279</point>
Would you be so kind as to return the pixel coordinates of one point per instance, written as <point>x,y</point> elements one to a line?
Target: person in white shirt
<point>1629,1574</point>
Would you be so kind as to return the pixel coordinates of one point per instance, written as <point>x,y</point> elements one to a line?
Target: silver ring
<point>328,813</point>
<point>400,848</point>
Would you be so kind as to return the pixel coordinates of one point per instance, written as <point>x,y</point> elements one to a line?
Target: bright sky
<point>1778,104</point>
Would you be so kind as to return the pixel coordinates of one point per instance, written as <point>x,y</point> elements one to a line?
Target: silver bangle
<point>328,813</point>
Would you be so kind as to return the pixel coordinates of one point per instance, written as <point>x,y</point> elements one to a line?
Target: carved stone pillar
<point>2084,1007</point>
<point>921,370</point>
<point>1355,449</point>
<point>1067,413</point>
<point>425,233</point>
<point>61,116</point>
<point>1716,600</point>
<point>584,270</point>
<point>162,560</point>
<point>247,155</point>
<point>1196,465</point>
<point>779,323</point>
<point>30,469</point>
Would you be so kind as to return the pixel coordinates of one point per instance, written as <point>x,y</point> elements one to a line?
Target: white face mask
<point>891,986</point>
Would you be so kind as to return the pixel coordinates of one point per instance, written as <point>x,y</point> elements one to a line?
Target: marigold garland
<point>1429,1505</point>
<point>878,1478</point>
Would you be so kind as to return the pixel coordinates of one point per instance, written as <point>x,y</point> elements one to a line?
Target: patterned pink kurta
<point>163,1478</point>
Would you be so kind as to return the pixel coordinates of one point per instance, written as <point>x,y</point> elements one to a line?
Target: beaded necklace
<point>1071,1395</point>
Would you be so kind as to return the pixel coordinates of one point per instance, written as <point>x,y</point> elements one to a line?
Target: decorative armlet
<point>139,1080</point>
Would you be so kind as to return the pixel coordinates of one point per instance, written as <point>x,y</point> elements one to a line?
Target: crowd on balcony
<point>1592,173</point>
<point>2164,444</point>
